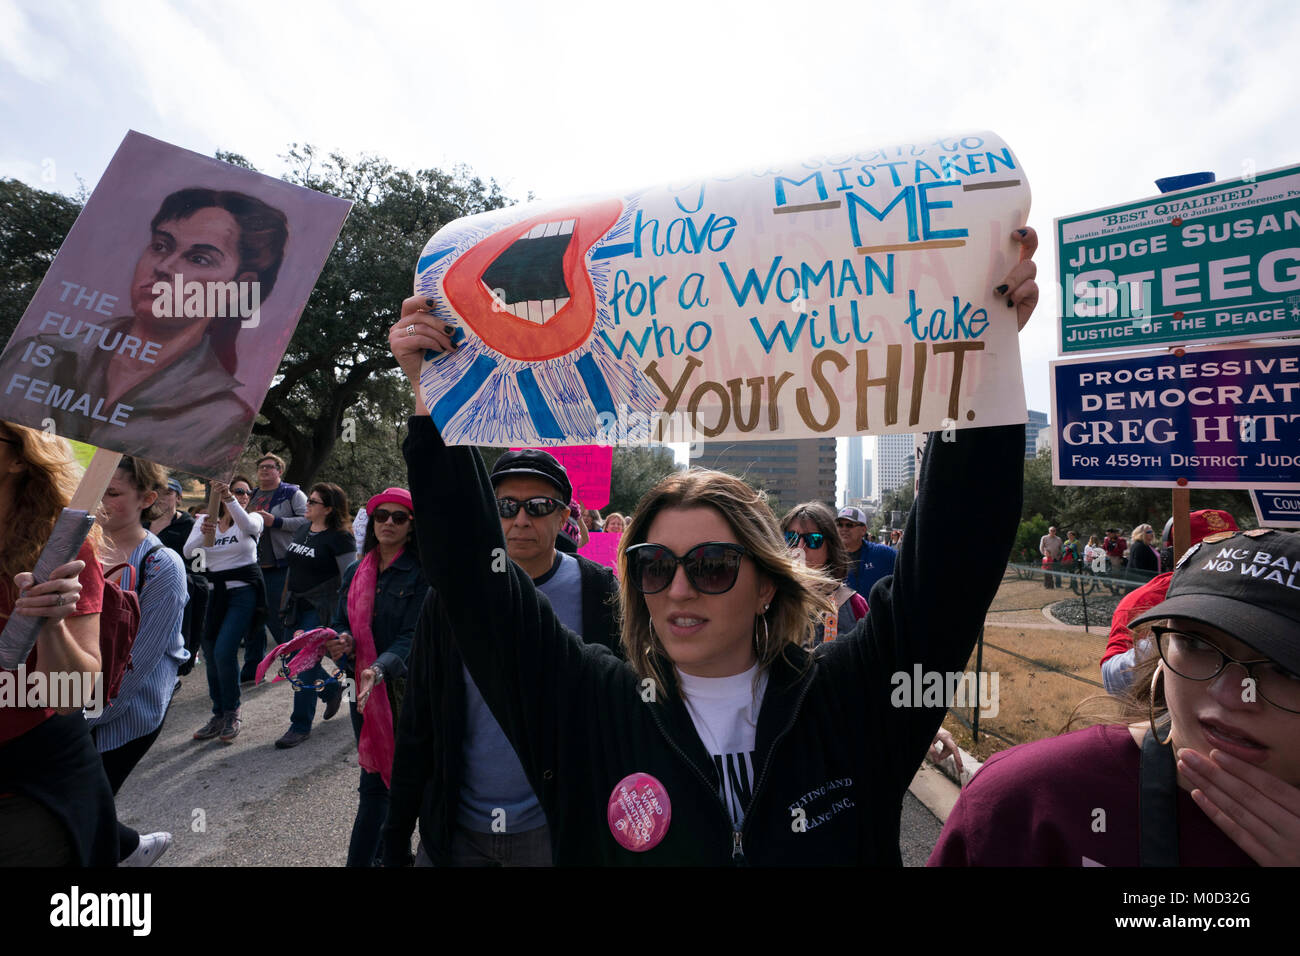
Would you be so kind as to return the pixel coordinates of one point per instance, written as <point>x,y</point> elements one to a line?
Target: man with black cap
<point>454,766</point>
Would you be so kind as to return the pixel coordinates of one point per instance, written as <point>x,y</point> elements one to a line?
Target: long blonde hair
<point>40,492</point>
<point>1133,705</point>
<point>800,600</point>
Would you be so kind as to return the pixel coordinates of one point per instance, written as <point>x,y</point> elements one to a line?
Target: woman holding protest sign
<point>56,806</point>
<point>379,603</point>
<point>238,600</point>
<point>1197,764</point>
<point>124,732</point>
<point>715,735</point>
<point>809,528</point>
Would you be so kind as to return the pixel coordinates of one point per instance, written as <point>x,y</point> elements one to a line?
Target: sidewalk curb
<point>938,786</point>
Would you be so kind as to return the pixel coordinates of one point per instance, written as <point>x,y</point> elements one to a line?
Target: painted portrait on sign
<point>209,259</point>
<point>159,325</point>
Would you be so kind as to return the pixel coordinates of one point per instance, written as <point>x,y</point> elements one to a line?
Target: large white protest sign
<point>158,327</point>
<point>841,295</point>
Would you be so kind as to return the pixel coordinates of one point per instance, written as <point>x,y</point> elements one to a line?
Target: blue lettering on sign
<point>962,324</point>
<point>781,182</point>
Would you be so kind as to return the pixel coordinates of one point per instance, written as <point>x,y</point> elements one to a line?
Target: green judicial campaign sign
<point>1211,263</point>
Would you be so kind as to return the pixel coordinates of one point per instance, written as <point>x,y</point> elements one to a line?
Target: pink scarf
<point>376,748</point>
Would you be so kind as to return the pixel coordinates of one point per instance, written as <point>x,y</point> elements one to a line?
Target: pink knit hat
<point>396,496</point>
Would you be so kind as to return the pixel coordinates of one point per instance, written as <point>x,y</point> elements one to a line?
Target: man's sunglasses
<point>813,539</point>
<point>712,567</point>
<point>534,507</point>
<point>398,518</point>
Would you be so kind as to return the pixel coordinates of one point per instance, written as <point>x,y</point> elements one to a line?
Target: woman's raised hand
<point>415,332</point>
<point>1019,287</point>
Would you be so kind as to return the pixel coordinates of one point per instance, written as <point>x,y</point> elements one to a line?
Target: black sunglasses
<point>398,518</point>
<point>712,567</point>
<point>241,492</point>
<point>534,507</point>
<point>813,539</point>
<point>315,501</point>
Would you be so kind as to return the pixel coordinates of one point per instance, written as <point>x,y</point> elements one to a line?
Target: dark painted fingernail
<point>1019,232</point>
<point>1001,290</point>
<point>1009,302</point>
<point>429,303</point>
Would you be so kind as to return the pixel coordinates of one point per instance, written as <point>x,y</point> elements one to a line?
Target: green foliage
<point>635,471</point>
<point>338,357</point>
<point>1030,532</point>
<point>32,226</point>
<point>900,500</point>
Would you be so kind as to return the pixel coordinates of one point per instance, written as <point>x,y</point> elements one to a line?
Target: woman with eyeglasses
<point>238,599</point>
<point>1197,764</point>
<point>318,555</point>
<point>721,740</point>
<point>810,529</point>
<point>379,603</point>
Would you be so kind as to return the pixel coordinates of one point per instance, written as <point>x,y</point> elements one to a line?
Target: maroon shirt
<point>1037,805</point>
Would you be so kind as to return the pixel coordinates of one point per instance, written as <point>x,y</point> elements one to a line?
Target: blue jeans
<point>255,645</point>
<point>304,701</point>
<point>372,811</point>
<point>222,653</point>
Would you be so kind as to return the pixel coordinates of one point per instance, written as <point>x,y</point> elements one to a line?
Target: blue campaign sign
<point>1213,417</point>
<point>1276,509</point>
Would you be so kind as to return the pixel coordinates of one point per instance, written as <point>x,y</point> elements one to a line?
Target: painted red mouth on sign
<point>525,290</point>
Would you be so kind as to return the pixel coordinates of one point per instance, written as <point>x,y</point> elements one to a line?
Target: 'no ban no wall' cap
<point>1246,584</point>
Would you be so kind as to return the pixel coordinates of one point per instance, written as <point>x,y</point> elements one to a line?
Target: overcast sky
<point>570,98</point>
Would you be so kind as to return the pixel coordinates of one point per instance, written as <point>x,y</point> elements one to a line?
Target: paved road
<point>248,804</point>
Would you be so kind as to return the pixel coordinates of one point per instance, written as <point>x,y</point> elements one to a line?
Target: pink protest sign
<point>589,468</point>
<point>160,323</point>
<point>602,547</point>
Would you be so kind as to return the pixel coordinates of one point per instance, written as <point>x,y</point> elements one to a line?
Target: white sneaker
<point>152,846</point>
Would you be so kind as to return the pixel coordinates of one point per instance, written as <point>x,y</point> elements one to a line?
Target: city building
<point>1044,441</point>
<point>895,462</point>
<point>1036,424</point>
<point>789,471</point>
<point>856,480</point>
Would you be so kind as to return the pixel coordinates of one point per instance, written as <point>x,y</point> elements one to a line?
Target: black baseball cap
<point>537,464</point>
<point>1244,583</point>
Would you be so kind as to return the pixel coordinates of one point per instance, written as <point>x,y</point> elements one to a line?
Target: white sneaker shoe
<point>152,846</point>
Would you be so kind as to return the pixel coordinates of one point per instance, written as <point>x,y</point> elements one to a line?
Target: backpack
<point>119,622</point>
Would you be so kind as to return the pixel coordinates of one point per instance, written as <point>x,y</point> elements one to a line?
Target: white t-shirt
<point>233,548</point>
<point>725,713</point>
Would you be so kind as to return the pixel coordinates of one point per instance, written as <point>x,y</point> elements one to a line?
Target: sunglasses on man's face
<point>712,567</point>
<point>398,518</point>
<point>812,539</point>
<point>533,507</point>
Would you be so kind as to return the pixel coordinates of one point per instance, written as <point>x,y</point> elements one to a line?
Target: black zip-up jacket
<point>428,762</point>
<point>833,754</point>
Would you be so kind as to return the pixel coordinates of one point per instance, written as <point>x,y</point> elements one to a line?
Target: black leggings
<point>118,764</point>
